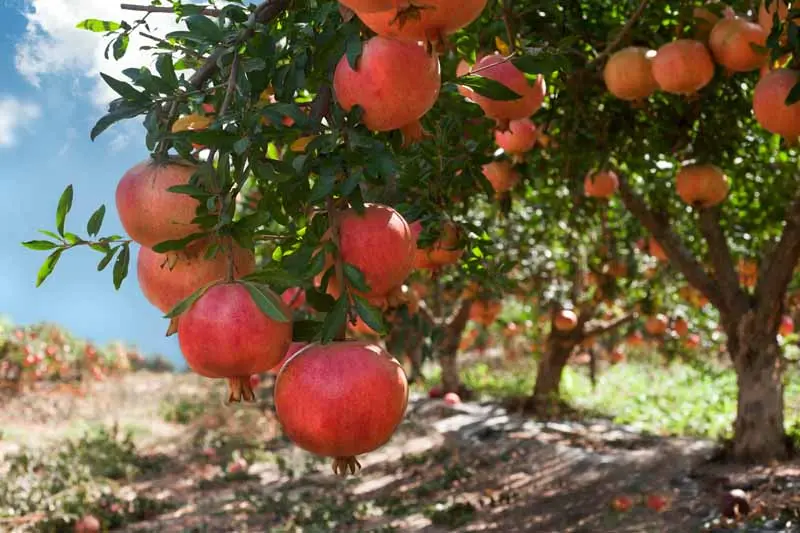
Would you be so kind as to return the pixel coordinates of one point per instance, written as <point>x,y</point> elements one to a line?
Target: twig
<point>231,88</point>
<point>481,69</point>
<point>620,36</point>
<point>209,11</point>
<point>187,51</point>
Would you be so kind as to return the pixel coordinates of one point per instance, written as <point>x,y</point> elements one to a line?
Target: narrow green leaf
<point>191,190</point>
<point>241,146</point>
<point>49,234</point>
<point>119,113</point>
<point>121,265</point>
<point>179,244</point>
<point>353,48</point>
<point>794,95</point>
<point>97,25</point>
<point>64,205</point>
<point>123,89</point>
<point>187,302</point>
<point>355,277</point>
<point>96,221</point>
<point>47,267</point>
<point>306,330</point>
<point>202,26</point>
<point>488,87</point>
<point>40,245</point>
<point>369,314</point>
<point>166,69</point>
<point>72,238</point>
<point>320,301</point>
<point>267,301</point>
<point>121,45</point>
<point>335,320</point>
<point>107,259</point>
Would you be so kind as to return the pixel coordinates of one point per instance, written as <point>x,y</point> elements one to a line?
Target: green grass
<point>678,399</point>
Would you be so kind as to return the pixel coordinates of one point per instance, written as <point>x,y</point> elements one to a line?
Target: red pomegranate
<point>150,213</point>
<point>635,339</point>
<point>380,244</point>
<point>166,279</point>
<point>485,311</point>
<point>451,398</point>
<point>87,524</point>
<point>341,400</point>
<point>683,67</point>
<point>501,175</point>
<point>731,41</point>
<point>225,335</point>
<point>519,138</point>
<point>294,297</point>
<point>769,104</point>
<point>369,6</point>
<point>444,251</point>
<point>681,327</point>
<point>497,68</point>
<point>432,21</point>
<point>692,341</point>
<point>656,324</point>
<point>629,74</point>
<point>701,185</point>
<point>787,326</point>
<point>293,349</point>
<point>601,185</point>
<point>382,86</point>
<point>565,320</point>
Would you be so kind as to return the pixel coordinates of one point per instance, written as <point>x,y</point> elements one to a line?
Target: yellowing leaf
<point>191,122</point>
<point>300,144</point>
<point>502,46</point>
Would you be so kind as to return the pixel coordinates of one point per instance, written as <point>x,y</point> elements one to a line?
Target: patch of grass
<point>181,409</point>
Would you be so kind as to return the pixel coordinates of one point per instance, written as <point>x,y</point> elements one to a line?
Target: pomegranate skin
<point>683,67</point>
<point>519,138</point>
<point>369,6</point>
<point>628,74</point>
<point>601,184</point>
<point>497,68</point>
<point>342,399</point>
<point>224,334</point>
<point>501,175</point>
<point>730,42</point>
<point>149,213</point>
<point>702,185</point>
<point>382,84</point>
<point>165,287</point>
<point>293,349</point>
<point>438,19</point>
<point>444,251</point>
<point>769,103</point>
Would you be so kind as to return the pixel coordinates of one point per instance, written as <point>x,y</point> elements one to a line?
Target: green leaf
<point>267,301</point>
<point>320,301</point>
<point>178,244</point>
<point>323,186</point>
<point>241,146</point>
<point>72,238</point>
<point>121,45</point>
<point>40,245</point>
<point>335,320</point>
<point>488,87</point>
<point>355,277</point>
<point>47,267</point>
<point>306,330</point>
<point>192,190</point>
<point>122,88</point>
<point>184,305</point>
<point>204,27</point>
<point>97,25</point>
<point>794,95</point>
<point>64,205</point>
<point>121,265</point>
<point>119,113</point>
<point>166,69</point>
<point>353,48</point>
<point>369,314</point>
<point>49,234</point>
<point>107,259</point>
<point>96,221</point>
<point>544,63</point>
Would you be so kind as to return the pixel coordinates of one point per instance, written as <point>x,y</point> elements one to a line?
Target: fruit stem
<point>239,389</point>
<point>333,223</point>
<point>344,465</point>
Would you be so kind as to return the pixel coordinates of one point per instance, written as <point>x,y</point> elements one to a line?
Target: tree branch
<point>778,268</point>
<point>677,253</point>
<point>612,46</point>
<point>596,331</point>
<point>209,11</point>
<point>455,326</point>
<point>727,278</point>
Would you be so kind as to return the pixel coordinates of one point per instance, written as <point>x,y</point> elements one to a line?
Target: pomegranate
<point>293,349</point>
<point>769,104</point>
<point>382,86</point>
<point>656,324</point>
<point>629,74</point>
<point>565,320</point>
<point>225,335</point>
<point>445,250</point>
<point>294,297</point>
<point>87,524</point>
<point>656,502</point>
<point>520,137</point>
<point>622,504</point>
<point>656,250</point>
<point>485,311</point>
<point>497,68</point>
<point>787,326</point>
<point>380,244</point>
<point>501,175</point>
<point>451,398</point>
<point>683,67</point>
<point>149,213</point>
<point>166,279</point>
<point>701,186</point>
<point>601,185</point>
<point>429,21</point>
<point>341,400</point>
<point>436,392</point>
<point>731,41</point>
<point>369,6</point>
<point>681,327</point>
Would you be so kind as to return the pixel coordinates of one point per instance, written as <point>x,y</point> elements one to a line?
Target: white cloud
<point>15,114</point>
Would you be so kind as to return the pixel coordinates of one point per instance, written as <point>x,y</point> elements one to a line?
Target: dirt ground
<point>472,467</point>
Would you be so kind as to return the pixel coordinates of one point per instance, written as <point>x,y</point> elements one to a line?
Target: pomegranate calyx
<point>239,389</point>
<point>342,466</point>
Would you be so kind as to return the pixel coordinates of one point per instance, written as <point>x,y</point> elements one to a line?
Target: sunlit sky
<point>50,96</point>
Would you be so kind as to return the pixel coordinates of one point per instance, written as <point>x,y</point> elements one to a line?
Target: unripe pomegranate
<point>656,324</point>
<point>293,349</point>
<point>341,400</point>
<point>656,502</point>
<point>629,74</point>
<point>431,22</point>
<point>701,186</point>
<point>769,104</point>
<point>731,41</point>
<point>167,279</point>
<point>382,84</point>
<point>565,320</point>
<point>601,185</point>
<point>87,524</point>
<point>519,138</point>
<point>149,213</point>
<point>451,398</point>
<point>369,6</point>
<point>225,335</point>
<point>501,175</point>
<point>497,68</point>
<point>683,67</point>
<point>787,326</point>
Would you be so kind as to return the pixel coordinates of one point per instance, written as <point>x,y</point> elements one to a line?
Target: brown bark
<point>546,392</point>
<point>448,348</point>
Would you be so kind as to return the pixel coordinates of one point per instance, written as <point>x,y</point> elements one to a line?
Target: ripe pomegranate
<point>167,279</point>
<point>701,186</point>
<point>565,320</point>
<point>683,67</point>
<point>601,184</point>
<point>451,398</point>
<point>622,503</point>
<point>769,104</point>
<point>432,21</point>
<point>730,42</point>
<point>382,86</point>
<point>656,250</point>
<point>149,213</point>
<point>87,524</point>
<point>294,297</point>
<point>519,138</point>
<point>656,324</point>
<point>380,244</point>
<point>369,6</point>
<point>341,400</point>
<point>293,349</point>
<point>225,335</point>
<point>681,327</point>
<point>656,502</point>
<point>787,326</point>
<point>497,68</point>
<point>501,175</point>
<point>485,311</point>
<point>629,74</point>
<point>444,251</point>
<point>617,356</point>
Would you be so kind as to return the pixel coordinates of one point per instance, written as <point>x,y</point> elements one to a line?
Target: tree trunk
<point>450,380</point>
<point>448,349</point>
<point>551,367</point>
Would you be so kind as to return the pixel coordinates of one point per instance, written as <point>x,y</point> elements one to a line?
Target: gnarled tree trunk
<point>551,368</point>
<point>448,347</point>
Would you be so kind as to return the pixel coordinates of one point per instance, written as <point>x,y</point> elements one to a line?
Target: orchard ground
<point>194,464</point>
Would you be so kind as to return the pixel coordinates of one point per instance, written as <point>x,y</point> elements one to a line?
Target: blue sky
<point>50,96</point>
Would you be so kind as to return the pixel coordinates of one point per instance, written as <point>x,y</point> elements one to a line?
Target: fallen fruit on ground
<point>451,398</point>
<point>622,504</point>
